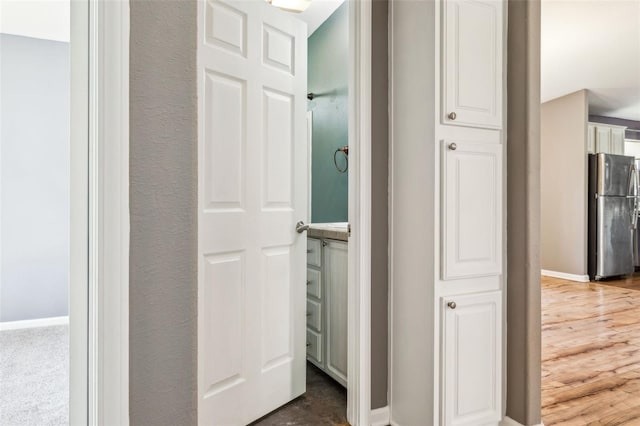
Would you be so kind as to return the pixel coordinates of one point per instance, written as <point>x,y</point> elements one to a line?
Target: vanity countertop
<point>334,231</point>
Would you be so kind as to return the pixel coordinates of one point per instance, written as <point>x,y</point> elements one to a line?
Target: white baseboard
<point>40,322</point>
<point>508,421</point>
<point>379,416</point>
<point>565,276</point>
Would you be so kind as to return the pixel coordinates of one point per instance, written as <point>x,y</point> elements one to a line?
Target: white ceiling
<point>593,45</point>
<point>45,19</point>
<point>49,19</point>
<point>318,12</point>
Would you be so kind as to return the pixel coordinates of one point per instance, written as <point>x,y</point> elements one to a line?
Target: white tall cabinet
<point>447,133</point>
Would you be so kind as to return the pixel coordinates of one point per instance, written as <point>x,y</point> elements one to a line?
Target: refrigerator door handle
<point>635,181</point>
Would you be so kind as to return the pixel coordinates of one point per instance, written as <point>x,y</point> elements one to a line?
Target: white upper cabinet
<point>472,50</point>
<point>603,140</point>
<point>591,139</point>
<point>471,359</point>
<point>608,138</point>
<point>471,209</point>
<point>617,140</point>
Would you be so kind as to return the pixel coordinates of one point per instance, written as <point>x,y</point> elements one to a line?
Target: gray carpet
<point>34,376</point>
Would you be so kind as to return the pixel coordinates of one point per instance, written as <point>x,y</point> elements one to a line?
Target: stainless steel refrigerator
<point>613,215</point>
<point>636,236</point>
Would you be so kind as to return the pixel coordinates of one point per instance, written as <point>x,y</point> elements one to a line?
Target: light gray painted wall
<point>379,204</point>
<point>563,180</point>
<point>523,213</point>
<point>34,139</point>
<point>163,281</point>
<point>413,185</point>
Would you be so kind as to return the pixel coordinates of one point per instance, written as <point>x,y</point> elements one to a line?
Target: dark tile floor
<point>324,403</point>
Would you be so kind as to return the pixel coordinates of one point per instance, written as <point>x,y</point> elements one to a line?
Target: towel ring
<point>344,150</point>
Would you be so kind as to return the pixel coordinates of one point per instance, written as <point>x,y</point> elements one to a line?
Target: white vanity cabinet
<point>335,280</point>
<point>327,306</point>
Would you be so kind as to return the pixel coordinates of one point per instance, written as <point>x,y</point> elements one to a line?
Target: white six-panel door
<point>252,189</point>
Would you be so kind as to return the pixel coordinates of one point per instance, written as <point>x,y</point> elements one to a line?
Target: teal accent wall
<point>328,79</point>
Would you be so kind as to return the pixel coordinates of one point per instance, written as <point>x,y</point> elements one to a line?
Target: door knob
<point>453,146</point>
<point>301,227</point>
<point>452,305</point>
<point>452,116</point>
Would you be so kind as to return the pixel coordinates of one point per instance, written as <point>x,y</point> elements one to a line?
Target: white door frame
<point>102,219</point>
<point>359,244</point>
<point>99,270</point>
<point>359,293</point>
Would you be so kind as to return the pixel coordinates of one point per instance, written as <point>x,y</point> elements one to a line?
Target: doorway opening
<point>35,212</point>
<point>590,135</point>
<point>273,299</point>
<point>328,233</point>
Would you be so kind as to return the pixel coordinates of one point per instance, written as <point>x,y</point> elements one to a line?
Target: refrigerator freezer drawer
<point>614,237</point>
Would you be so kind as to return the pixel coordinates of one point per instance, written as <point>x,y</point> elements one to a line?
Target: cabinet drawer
<point>314,346</point>
<point>314,315</point>
<point>314,252</point>
<point>314,280</point>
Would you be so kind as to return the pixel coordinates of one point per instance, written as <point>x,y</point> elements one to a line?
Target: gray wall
<point>163,281</point>
<point>523,213</point>
<point>379,204</point>
<point>563,138</point>
<point>413,178</point>
<point>34,139</point>
<point>328,78</point>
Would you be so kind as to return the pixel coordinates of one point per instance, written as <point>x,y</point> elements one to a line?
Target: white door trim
<point>99,287</point>
<point>359,297</point>
<point>79,225</point>
<point>309,162</point>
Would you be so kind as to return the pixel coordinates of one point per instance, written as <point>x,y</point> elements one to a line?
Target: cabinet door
<point>617,141</point>
<point>472,359</point>
<point>335,276</point>
<point>603,140</point>
<point>591,139</point>
<point>472,44</point>
<point>471,209</point>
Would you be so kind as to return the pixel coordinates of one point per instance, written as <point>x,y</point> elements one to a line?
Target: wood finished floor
<point>591,352</point>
